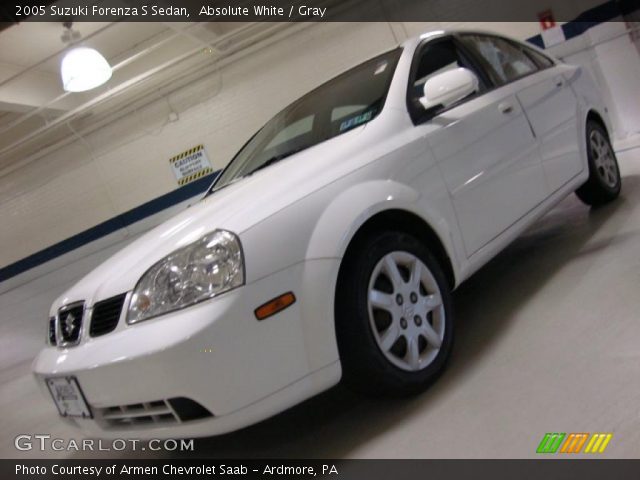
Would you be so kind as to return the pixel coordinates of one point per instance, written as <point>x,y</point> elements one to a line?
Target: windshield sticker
<point>357,120</point>
<point>381,67</point>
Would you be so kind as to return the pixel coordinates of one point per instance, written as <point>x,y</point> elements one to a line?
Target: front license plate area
<point>68,397</point>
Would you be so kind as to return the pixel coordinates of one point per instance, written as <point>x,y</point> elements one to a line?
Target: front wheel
<point>393,316</point>
<point>604,181</point>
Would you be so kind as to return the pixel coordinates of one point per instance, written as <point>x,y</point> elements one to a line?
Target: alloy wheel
<point>604,159</point>
<point>406,311</point>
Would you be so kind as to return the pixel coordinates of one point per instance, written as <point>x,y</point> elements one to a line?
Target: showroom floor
<point>548,341</point>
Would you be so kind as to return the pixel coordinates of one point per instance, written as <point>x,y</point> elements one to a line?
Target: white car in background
<point>329,246</point>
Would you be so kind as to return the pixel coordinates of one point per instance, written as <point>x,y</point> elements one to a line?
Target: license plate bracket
<point>68,397</point>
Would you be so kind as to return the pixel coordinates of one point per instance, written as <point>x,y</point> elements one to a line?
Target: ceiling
<point>147,58</point>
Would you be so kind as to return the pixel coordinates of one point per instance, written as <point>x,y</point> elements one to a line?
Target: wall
<point>608,52</point>
<point>126,163</point>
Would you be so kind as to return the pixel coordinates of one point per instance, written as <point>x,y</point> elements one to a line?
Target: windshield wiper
<point>272,160</point>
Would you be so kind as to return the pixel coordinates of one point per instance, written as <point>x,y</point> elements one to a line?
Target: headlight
<point>206,268</point>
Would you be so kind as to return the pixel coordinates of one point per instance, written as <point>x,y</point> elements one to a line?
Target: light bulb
<point>84,68</point>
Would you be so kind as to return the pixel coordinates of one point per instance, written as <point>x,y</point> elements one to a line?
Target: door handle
<point>506,108</point>
<point>559,82</point>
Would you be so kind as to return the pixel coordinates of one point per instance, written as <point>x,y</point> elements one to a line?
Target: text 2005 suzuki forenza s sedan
<point>329,246</point>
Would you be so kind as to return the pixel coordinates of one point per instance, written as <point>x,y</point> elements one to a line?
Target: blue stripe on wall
<point>105,228</point>
<point>588,19</point>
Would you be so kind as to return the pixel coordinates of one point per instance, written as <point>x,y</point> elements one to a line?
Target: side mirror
<point>449,87</point>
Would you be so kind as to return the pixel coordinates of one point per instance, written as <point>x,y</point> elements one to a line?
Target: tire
<point>366,323</point>
<point>604,181</point>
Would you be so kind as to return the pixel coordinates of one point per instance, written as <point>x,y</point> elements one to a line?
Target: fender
<point>353,207</point>
<point>586,90</point>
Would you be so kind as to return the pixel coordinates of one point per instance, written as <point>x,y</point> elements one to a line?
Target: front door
<point>487,154</point>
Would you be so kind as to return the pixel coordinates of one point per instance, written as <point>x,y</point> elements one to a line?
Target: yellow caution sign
<point>191,165</point>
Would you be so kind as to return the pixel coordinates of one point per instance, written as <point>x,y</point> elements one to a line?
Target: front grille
<point>52,331</point>
<point>106,315</point>
<point>155,413</point>
<point>70,323</point>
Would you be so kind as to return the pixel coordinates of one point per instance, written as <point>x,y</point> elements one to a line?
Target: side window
<point>436,57</point>
<point>504,60</point>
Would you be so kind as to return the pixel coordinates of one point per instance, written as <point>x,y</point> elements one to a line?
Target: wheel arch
<point>401,220</point>
<point>360,358</point>
<point>594,116</point>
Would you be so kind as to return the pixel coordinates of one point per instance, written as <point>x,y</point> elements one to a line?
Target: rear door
<point>484,146</point>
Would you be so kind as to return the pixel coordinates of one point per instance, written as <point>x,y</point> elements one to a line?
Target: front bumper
<point>215,353</point>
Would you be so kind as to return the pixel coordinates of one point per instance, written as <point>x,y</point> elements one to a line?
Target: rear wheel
<point>393,316</point>
<point>604,181</point>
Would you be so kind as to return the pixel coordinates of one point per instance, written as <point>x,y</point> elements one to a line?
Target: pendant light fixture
<point>82,68</point>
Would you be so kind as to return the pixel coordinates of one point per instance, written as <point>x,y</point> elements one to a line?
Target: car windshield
<point>343,103</point>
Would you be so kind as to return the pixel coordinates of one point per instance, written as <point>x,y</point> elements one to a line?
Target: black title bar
<point>312,10</point>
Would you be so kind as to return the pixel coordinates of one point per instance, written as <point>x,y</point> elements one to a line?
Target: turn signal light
<point>275,305</point>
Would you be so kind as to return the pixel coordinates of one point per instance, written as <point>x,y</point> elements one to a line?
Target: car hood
<point>235,207</point>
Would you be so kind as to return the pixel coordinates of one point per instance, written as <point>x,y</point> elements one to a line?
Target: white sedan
<point>329,246</point>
